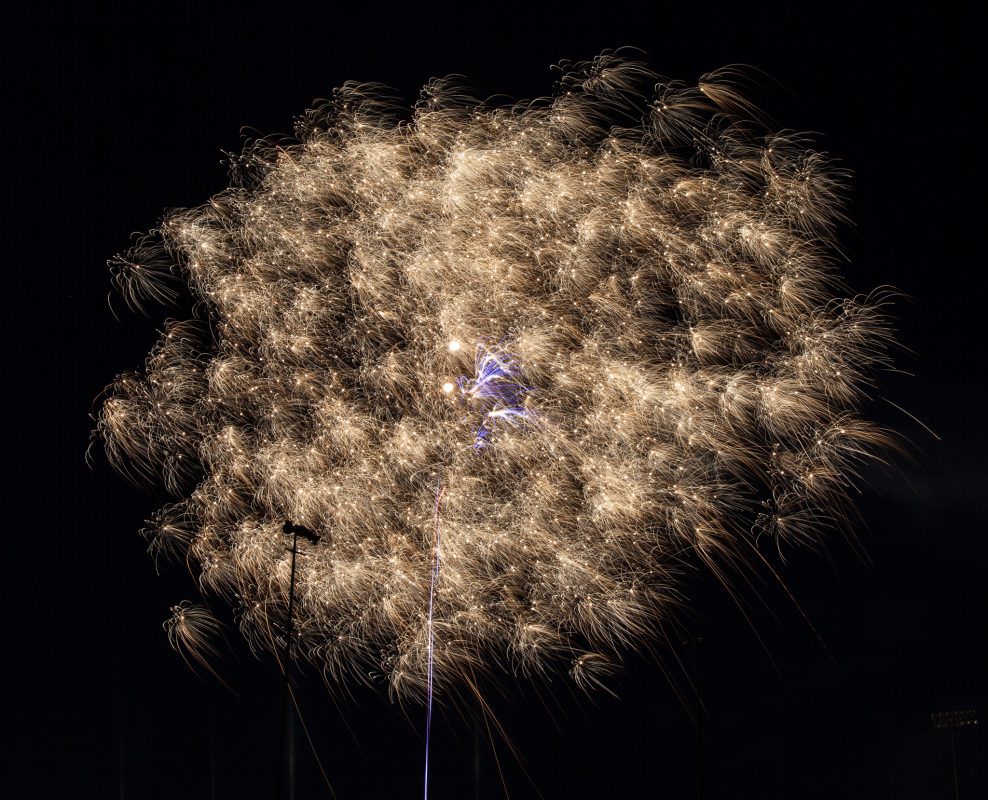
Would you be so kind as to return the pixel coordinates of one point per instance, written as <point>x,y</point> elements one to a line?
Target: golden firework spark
<point>675,373</point>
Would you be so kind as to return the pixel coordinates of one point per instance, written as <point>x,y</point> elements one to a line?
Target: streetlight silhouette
<point>951,721</point>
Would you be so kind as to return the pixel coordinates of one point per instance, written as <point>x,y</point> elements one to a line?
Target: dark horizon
<point>135,109</point>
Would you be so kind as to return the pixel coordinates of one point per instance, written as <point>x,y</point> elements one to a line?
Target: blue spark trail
<point>496,388</point>
<point>432,593</point>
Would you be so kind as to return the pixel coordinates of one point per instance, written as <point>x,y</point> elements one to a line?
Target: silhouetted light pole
<point>951,721</point>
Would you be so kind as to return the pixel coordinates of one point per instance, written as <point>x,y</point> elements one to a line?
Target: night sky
<point>127,110</point>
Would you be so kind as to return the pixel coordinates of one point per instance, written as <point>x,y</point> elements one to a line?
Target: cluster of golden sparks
<point>657,268</point>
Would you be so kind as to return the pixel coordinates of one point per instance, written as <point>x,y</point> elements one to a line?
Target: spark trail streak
<point>432,640</point>
<point>501,398</point>
<point>661,267</point>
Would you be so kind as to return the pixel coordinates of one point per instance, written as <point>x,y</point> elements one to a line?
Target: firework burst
<point>675,372</point>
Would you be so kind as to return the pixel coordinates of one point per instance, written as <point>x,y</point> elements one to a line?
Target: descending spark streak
<point>495,385</point>
<point>429,668</point>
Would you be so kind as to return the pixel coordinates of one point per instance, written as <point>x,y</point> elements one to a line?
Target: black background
<point>125,112</point>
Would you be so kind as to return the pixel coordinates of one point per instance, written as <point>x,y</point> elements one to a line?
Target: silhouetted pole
<point>693,644</point>
<point>699,717</point>
<point>287,729</point>
<point>951,721</point>
<point>212,751</point>
<point>953,761</point>
<point>476,757</point>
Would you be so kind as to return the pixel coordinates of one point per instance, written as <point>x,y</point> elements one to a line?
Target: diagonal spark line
<point>432,592</point>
